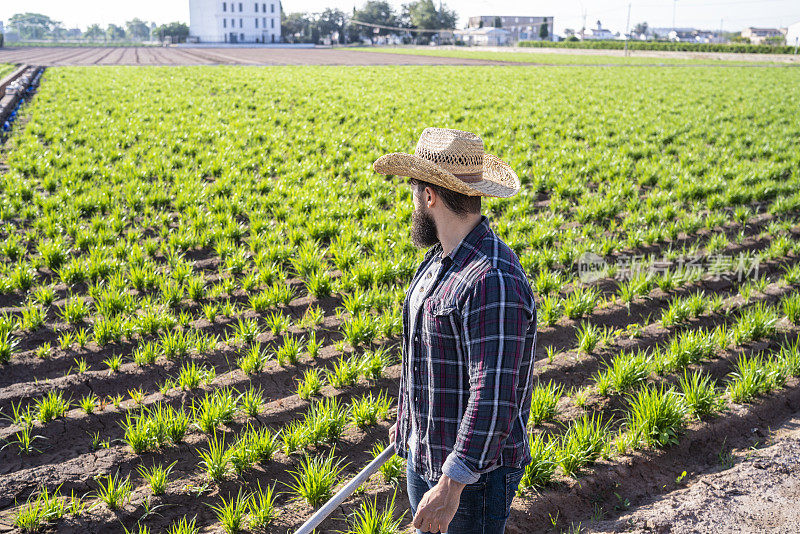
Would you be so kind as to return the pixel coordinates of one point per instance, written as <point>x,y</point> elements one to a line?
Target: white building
<point>519,28</point>
<point>248,21</point>
<point>760,35</point>
<point>595,33</point>
<point>793,34</point>
<point>483,36</point>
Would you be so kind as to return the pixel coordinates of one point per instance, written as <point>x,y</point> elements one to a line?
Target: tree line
<point>339,27</point>
<point>37,27</point>
<point>296,27</point>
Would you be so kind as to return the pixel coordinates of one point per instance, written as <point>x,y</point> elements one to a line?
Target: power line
<point>398,28</point>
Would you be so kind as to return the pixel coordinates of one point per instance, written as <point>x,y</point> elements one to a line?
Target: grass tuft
<point>315,478</point>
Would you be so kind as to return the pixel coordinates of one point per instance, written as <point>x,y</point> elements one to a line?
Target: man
<point>469,333</point>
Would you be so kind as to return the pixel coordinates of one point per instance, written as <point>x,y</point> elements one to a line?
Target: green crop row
<point>736,48</point>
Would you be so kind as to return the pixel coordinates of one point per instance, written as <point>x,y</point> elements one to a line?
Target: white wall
<point>212,21</point>
<point>793,35</point>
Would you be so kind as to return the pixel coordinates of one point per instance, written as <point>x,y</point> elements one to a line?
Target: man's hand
<point>438,506</point>
<point>391,433</point>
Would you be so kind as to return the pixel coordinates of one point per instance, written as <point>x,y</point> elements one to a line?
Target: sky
<point>731,15</point>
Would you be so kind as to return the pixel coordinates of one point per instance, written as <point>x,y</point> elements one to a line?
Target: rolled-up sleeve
<point>496,315</point>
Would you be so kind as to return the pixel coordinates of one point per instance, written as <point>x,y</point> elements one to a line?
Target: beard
<point>423,229</point>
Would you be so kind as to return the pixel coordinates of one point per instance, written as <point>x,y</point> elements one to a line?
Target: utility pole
<point>674,3</point>
<point>719,40</point>
<point>627,26</point>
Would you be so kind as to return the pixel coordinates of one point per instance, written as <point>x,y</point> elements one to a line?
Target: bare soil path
<point>752,490</point>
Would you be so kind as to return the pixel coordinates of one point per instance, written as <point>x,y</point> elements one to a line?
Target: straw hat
<point>453,159</point>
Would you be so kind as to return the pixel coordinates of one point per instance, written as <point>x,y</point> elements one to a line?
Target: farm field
<point>231,55</point>
<point>578,56</point>
<point>202,280</point>
<point>177,56</point>
<point>5,69</point>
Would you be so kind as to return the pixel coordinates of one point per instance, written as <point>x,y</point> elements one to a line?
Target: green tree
<point>373,12</point>
<point>59,31</point>
<point>32,25</point>
<point>115,32</point>
<point>543,33</point>
<point>330,21</point>
<point>94,32</point>
<point>297,28</point>
<point>640,28</point>
<point>137,29</point>
<point>177,31</point>
<point>778,40</point>
<point>423,14</point>
<point>498,22</point>
<point>447,17</point>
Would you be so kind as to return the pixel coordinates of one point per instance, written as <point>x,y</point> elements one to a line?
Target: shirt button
<point>429,275</point>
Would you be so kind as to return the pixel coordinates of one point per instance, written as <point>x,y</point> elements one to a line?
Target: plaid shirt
<point>467,364</point>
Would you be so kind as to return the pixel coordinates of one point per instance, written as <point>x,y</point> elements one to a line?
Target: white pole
<point>674,3</point>
<point>627,29</point>
<point>328,508</point>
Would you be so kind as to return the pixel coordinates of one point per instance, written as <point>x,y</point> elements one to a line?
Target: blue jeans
<point>485,505</point>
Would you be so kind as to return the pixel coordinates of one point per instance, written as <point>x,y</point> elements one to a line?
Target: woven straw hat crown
<point>456,151</point>
<point>453,159</point>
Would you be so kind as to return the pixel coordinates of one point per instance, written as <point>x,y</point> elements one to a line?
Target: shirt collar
<point>463,249</point>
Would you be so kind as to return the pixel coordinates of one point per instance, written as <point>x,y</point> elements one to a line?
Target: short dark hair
<point>458,203</point>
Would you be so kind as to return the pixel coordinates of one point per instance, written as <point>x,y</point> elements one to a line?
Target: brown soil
<point>750,490</point>
<point>638,487</point>
<point>62,56</point>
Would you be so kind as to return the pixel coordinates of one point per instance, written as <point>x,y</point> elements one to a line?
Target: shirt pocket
<point>440,322</point>
<point>441,340</point>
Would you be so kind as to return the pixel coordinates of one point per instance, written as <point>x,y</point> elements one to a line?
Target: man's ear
<point>429,197</point>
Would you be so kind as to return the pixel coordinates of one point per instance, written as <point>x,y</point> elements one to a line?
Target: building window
<point>241,37</point>
<point>264,22</point>
<point>240,23</point>
<point>224,6</point>
<point>272,8</point>
<point>224,23</point>
<point>233,22</point>
<point>272,25</point>
<point>240,7</point>
<point>264,8</point>
<point>256,22</point>
<point>256,7</point>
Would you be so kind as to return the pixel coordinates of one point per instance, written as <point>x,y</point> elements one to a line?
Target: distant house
<point>691,35</point>
<point>483,36</point>
<point>760,35</point>
<point>684,35</point>
<point>595,33</point>
<point>213,21</point>
<point>793,34</point>
<point>519,28</point>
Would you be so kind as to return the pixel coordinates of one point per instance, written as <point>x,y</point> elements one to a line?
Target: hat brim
<point>498,178</point>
